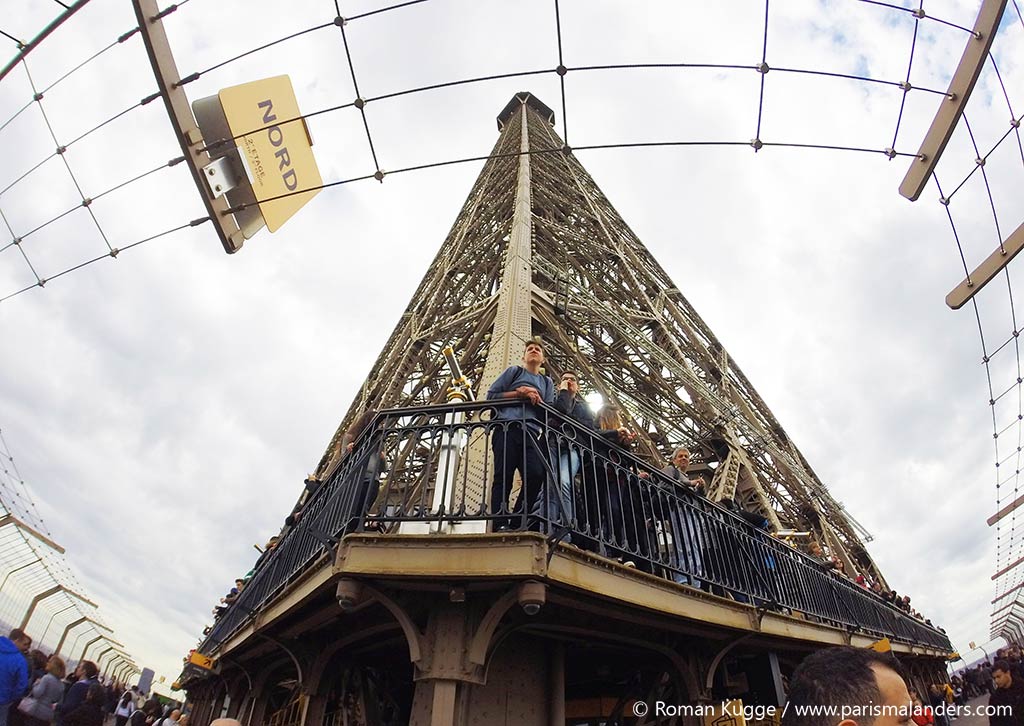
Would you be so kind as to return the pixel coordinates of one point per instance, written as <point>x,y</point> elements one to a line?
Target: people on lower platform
<point>849,680</point>
<point>90,711</point>
<point>86,676</point>
<point>518,439</point>
<point>124,709</point>
<point>1009,691</point>
<point>921,714</point>
<point>172,718</point>
<point>46,693</point>
<point>14,671</point>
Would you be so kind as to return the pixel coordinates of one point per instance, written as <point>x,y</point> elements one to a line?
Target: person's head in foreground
<point>1002,675</point>
<point>225,722</point>
<point>849,687</point>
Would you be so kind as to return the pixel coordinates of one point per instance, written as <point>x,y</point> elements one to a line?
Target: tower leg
<point>442,708</point>
<point>521,685</point>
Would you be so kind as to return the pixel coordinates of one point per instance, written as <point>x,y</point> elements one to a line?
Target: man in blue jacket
<point>86,673</point>
<point>512,449</point>
<point>13,671</point>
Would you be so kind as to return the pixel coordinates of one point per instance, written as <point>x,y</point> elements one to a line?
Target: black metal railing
<point>432,469</point>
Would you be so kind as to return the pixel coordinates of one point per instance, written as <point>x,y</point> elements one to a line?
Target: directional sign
<point>198,659</point>
<point>277,149</point>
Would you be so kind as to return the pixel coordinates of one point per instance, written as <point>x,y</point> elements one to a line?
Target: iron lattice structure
<point>538,250</point>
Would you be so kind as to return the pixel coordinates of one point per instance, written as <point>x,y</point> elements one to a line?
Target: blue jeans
<point>4,709</point>
<point>688,541</point>
<point>559,501</point>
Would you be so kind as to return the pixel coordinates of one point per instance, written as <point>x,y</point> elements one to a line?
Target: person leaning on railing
<point>559,502</point>
<point>616,493</point>
<point>687,534</point>
<point>367,483</point>
<point>518,447</point>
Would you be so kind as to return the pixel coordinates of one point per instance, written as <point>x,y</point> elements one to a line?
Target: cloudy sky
<point>165,406</point>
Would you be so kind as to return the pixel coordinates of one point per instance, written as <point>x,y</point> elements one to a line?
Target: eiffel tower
<point>387,601</point>
<point>538,251</point>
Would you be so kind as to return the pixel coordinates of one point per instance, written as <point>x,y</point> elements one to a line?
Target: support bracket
<point>182,121</point>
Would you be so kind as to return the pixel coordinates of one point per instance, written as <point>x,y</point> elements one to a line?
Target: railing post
<point>36,561</point>
<point>85,650</point>
<point>50,621</point>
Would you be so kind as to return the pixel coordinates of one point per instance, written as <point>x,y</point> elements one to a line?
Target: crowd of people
<point>604,500</point>
<point>37,690</point>
<point>600,507</point>
<point>873,689</point>
<point>901,602</point>
<point>240,583</point>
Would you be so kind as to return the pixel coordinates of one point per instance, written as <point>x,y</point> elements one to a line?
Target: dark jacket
<point>13,672</point>
<point>88,714</point>
<point>1012,696</point>
<point>74,698</point>
<point>576,408</point>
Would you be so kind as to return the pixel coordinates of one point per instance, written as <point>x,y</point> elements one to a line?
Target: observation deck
<point>402,589</point>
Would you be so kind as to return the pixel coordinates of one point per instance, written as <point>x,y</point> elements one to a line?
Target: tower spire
<point>513,320</point>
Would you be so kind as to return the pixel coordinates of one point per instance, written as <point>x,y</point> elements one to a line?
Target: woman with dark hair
<point>143,716</point>
<point>124,709</point>
<point>89,713</point>
<point>36,665</point>
<point>36,709</point>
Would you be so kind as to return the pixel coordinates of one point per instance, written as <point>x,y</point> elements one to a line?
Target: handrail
<point>622,508</point>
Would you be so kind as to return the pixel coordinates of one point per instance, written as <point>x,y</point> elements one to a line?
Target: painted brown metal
<point>522,678</point>
<point>488,624</point>
<point>520,557</point>
<point>182,121</point>
<point>972,285</point>
<point>952,106</point>
<point>1007,568</point>
<point>10,519</point>
<point>49,593</point>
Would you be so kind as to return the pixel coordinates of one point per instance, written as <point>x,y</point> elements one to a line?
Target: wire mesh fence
<point>39,592</point>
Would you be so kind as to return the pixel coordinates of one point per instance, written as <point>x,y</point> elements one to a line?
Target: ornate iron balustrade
<point>429,469</point>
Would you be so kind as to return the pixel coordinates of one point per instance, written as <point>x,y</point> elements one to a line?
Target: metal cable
<point>143,175</point>
<point>380,175</point>
<point>63,156</point>
<point>561,70</point>
<point>359,103</point>
<point>113,254</point>
<point>763,70</point>
<point>906,82</point>
<point>11,37</point>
